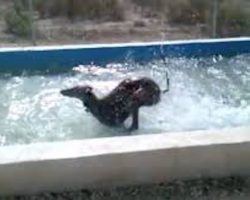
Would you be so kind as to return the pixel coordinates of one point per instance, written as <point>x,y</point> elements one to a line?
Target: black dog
<point>123,101</point>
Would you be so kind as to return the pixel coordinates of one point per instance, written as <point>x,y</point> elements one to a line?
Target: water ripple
<point>205,94</point>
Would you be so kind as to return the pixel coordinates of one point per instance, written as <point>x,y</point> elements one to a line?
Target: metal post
<point>33,32</point>
<point>214,18</point>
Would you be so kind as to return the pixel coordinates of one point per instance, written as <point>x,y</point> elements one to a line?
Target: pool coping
<point>130,44</point>
<point>124,160</point>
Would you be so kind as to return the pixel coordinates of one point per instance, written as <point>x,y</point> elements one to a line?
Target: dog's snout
<point>64,92</point>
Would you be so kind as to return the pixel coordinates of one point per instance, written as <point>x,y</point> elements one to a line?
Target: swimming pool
<point>205,93</point>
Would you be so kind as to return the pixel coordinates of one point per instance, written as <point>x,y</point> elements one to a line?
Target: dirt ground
<point>136,27</point>
<point>227,188</point>
<point>62,31</point>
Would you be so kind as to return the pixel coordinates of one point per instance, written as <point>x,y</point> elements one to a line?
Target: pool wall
<point>113,161</point>
<point>121,161</point>
<point>49,58</point>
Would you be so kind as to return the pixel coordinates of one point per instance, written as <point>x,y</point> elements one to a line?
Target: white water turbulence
<point>206,93</point>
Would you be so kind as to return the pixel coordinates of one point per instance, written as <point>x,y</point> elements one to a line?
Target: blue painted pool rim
<point>45,58</point>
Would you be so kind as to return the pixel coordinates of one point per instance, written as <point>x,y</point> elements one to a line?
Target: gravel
<point>226,188</point>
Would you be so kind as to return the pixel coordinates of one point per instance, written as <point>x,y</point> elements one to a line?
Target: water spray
<point>166,69</point>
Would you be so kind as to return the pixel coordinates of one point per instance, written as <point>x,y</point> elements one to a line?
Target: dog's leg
<point>135,119</point>
<point>86,107</point>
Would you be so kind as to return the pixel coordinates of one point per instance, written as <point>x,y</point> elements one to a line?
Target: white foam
<point>214,95</point>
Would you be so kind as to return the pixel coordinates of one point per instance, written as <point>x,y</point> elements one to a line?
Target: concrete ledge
<point>26,169</point>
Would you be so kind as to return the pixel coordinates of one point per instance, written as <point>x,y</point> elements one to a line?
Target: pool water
<point>204,94</point>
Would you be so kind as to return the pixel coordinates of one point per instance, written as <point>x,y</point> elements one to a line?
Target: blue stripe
<point>65,58</point>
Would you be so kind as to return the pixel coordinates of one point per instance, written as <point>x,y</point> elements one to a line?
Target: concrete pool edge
<point>130,44</point>
<point>26,169</point>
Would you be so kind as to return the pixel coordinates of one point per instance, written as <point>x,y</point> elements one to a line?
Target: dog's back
<point>117,105</point>
<point>122,101</point>
<point>127,88</point>
<point>147,92</point>
<point>127,96</point>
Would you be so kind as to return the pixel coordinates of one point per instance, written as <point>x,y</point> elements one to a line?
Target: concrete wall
<point>61,58</point>
<point>123,160</point>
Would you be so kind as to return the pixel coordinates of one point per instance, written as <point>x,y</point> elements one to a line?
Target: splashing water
<point>204,94</point>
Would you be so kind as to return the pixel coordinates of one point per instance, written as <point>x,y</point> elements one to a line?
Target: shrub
<point>178,11</point>
<point>17,19</point>
<point>187,11</point>
<point>84,9</point>
<point>233,15</point>
<point>233,18</point>
<point>51,8</point>
<point>155,5</point>
<point>152,7</point>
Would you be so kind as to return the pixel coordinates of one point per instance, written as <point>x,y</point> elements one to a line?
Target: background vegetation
<point>233,15</point>
<point>17,19</point>
<point>83,9</point>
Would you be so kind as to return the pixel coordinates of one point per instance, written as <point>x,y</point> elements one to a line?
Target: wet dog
<point>123,101</point>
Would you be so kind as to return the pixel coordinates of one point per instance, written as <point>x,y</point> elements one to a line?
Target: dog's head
<point>80,92</point>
